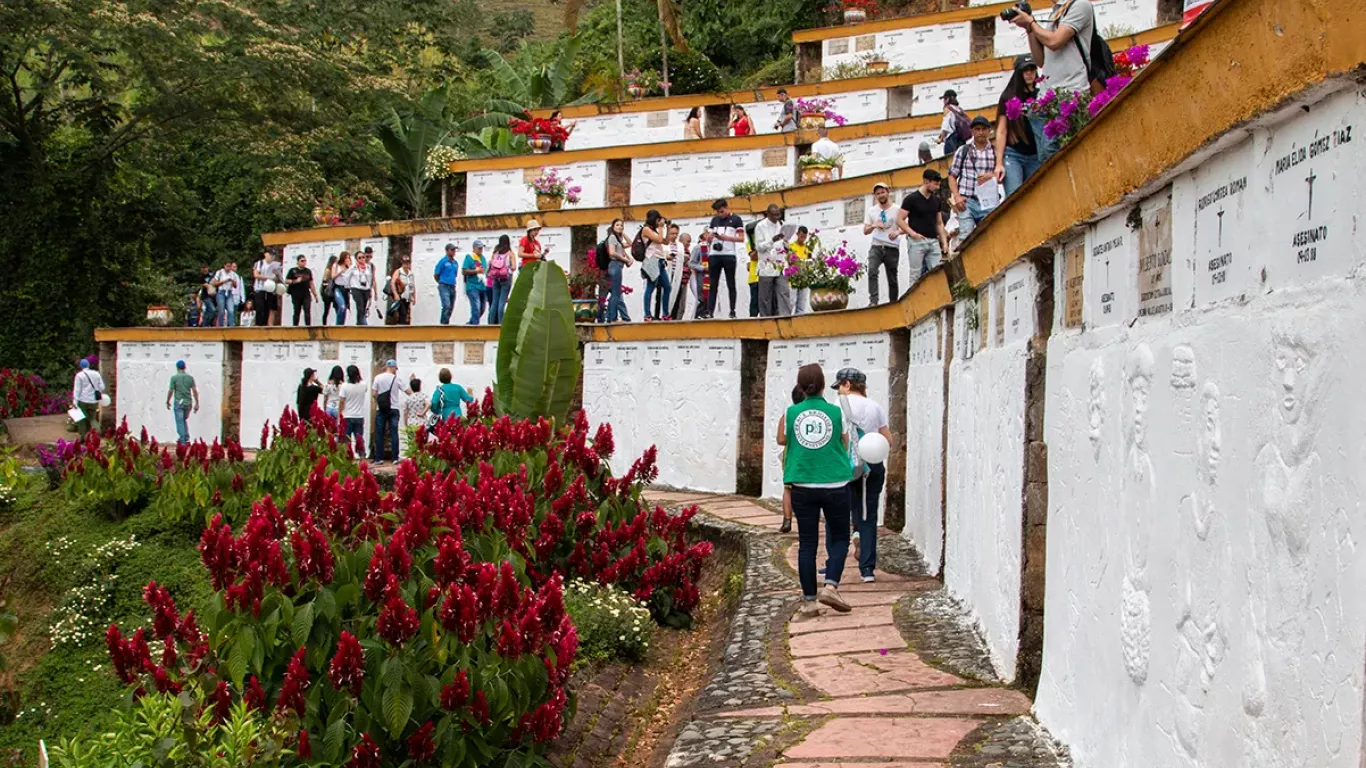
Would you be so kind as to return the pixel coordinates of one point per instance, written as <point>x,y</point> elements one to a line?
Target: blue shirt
<point>447,398</point>
<point>474,262</point>
<point>446,271</point>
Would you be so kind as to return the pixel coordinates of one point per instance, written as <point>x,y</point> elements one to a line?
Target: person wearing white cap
<point>387,390</point>
<point>86,393</point>
<point>881,222</point>
<point>181,394</point>
<point>473,269</point>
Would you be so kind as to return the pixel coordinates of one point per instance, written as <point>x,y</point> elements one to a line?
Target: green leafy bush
<point>689,71</point>
<point>759,187</point>
<point>612,625</point>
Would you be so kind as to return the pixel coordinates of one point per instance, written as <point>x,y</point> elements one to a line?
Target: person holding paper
<point>972,178</point>
<point>770,241</point>
<point>86,393</point>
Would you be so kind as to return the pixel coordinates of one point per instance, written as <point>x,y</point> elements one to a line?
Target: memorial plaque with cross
<point>1155,261</point>
<point>1073,278</point>
<point>657,120</point>
<point>443,353</point>
<point>1223,265</point>
<point>864,43</point>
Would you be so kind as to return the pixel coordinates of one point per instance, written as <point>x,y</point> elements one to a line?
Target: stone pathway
<point>858,693</point>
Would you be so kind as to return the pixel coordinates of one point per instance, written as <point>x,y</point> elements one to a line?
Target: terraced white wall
<point>430,249</point>
<point>925,439</point>
<point>627,128</point>
<point>506,191</point>
<point>473,364</point>
<point>144,373</point>
<point>317,255</point>
<point>927,47</point>
<point>707,175</point>
<point>272,371</point>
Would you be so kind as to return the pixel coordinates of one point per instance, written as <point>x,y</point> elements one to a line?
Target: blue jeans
<point>661,284</point>
<point>500,290</point>
<point>969,218</point>
<point>864,495</point>
<point>331,410</point>
<point>475,293</point>
<point>355,428</point>
<point>339,303</point>
<point>807,506</point>
<point>1018,169</point>
<point>386,429</point>
<point>1046,145</point>
<point>208,313</point>
<point>227,312</point>
<point>447,294</point>
<point>616,307</point>
<point>182,426</point>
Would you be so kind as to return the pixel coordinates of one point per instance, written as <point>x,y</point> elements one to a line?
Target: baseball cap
<point>450,246</point>
<point>390,363</point>
<point>180,364</point>
<point>880,185</point>
<point>478,244</point>
<point>368,249</point>
<point>1024,61</point>
<point>950,93</point>
<point>982,121</point>
<point>851,375</point>
<point>84,364</point>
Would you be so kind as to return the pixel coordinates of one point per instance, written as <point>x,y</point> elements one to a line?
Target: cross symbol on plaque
<point>1310,179</point>
<point>1220,214</point>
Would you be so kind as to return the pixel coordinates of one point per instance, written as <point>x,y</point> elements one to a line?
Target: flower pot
<point>855,15</point>
<point>585,310</point>
<point>635,91</point>
<point>158,314</point>
<point>324,215</point>
<point>817,174</point>
<point>810,121</point>
<point>549,202</point>
<point>828,299</point>
<point>878,66</point>
<point>540,143</point>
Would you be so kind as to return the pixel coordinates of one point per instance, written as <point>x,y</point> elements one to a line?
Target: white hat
<point>533,224</point>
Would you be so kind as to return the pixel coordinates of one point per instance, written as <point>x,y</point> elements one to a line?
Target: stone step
<point>841,641</point>
<point>870,673</point>
<point>870,616</point>
<point>962,701</point>
<point>890,738</point>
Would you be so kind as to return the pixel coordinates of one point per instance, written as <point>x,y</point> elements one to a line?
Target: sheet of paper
<point>76,414</point>
<point>988,194</point>
<point>789,230</point>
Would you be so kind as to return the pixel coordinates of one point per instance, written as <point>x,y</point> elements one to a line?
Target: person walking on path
<point>881,221</point>
<point>500,272</point>
<point>354,403</point>
<point>775,296</point>
<point>306,399</point>
<point>473,269</point>
<point>921,218</point>
<point>797,397</point>
<point>816,465</point>
<point>181,396</point>
<point>302,292</point>
<point>388,391</point>
<point>445,274</point>
<point>727,231</point>
<point>447,398</point>
<point>332,392</point>
<point>86,393</point>
<point>864,416</point>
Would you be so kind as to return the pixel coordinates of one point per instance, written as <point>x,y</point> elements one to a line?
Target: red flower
<point>456,693</point>
<point>398,622</point>
<point>420,746</point>
<point>480,708</point>
<point>305,749</point>
<point>254,696</point>
<point>348,665</point>
<point>377,576</point>
<point>165,617</point>
<point>296,682</point>
<point>366,753</point>
<point>222,702</point>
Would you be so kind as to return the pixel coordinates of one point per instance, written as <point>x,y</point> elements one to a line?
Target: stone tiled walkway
<point>866,697</point>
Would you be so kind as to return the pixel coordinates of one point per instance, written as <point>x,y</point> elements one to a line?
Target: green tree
<point>408,138</point>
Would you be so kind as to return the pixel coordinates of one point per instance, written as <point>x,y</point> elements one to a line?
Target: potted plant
<point>1065,113</point>
<point>857,11</point>
<point>552,190</point>
<point>814,113</point>
<point>818,169</point>
<point>583,288</point>
<point>638,82</point>
<point>541,133</point>
<point>829,274</point>
<point>876,63</point>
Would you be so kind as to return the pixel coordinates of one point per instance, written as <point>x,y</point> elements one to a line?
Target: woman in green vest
<point>816,465</point>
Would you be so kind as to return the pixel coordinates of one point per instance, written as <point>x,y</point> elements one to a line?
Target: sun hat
<point>533,224</point>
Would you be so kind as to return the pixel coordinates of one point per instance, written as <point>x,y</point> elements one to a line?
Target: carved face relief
<point>1293,360</point>
<point>1301,369</point>
<point>1096,404</point>
<point>1140,386</point>
<point>1183,368</point>
<point>1211,440</point>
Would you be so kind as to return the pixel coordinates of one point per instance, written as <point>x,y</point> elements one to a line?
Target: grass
<point>46,546</point>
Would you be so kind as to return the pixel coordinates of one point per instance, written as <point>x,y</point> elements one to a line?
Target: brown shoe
<point>831,596</point>
<point>809,610</point>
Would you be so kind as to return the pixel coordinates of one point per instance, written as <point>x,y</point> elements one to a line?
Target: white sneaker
<point>869,579</point>
<point>831,596</point>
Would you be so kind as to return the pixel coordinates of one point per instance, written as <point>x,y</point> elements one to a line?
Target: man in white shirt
<point>388,392</point>
<point>267,270</point>
<point>228,291</point>
<point>86,392</point>
<point>881,222</point>
<point>865,493</point>
<point>827,148</point>
<point>1062,48</point>
<point>775,297</point>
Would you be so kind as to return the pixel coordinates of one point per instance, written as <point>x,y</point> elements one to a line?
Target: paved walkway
<point>867,698</point>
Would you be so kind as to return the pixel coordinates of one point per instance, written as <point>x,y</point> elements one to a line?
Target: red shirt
<point>743,127</point>
<point>527,245</point>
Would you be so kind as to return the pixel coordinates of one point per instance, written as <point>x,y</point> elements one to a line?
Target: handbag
<point>328,291</point>
<point>434,415</point>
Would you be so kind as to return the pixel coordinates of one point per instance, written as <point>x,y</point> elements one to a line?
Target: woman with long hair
<point>340,273</point>
<point>656,256</point>
<point>619,258</point>
<point>307,397</point>
<point>556,145</point>
<point>328,290</point>
<point>692,124</point>
<point>1017,141</point>
<point>355,404</point>
<point>740,124</point>
<point>502,264</point>
<point>332,392</point>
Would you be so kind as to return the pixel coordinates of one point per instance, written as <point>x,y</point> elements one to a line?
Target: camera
<point>1011,13</point>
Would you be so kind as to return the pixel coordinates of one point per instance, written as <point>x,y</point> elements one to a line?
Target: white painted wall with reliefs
<point>870,353</point>
<point>506,191</point>
<point>1204,546</point>
<point>473,364</point>
<point>272,372</point>
<point>144,373</point>
<point>986,460</point>
<point>925,439</point>
<point>682,397</point>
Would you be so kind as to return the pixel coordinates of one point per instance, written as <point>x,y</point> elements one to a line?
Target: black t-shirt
<point>299,289</point>
<point>308,396</point>
<point>922,213</point>
<point>1019,133</point>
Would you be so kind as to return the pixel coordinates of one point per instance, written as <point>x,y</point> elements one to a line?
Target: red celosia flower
<point>348,665</point>
<point>305,748</point>
<point>254,696</point>
<point>165,617</point>
<point>451,558</point>
<point>377,575</point>
<point>456,693</point>
<point>366,753</point>
<point>222,702</point>
<point>397,622</point>
<point>420,746</point>
<point>479,708</point>
<point>296,682</point>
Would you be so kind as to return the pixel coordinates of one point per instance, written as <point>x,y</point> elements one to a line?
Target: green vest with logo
<point>815,453</point>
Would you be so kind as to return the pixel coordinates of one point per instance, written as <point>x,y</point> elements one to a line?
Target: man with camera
<point>1061,45</point>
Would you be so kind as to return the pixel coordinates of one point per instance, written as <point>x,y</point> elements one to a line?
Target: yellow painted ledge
<point>955,16</point>
<point>898,80</point>
<point>377,333</point>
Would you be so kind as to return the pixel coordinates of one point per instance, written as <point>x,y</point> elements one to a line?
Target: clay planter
<point>540,144</point>
<point>635,91</point>
<point>877,67</point>
<point>810,121</point>
<point>855,15</point>
<point>323,215</point>
<point>817,174</point>
<point>828,300</point>
<point>549,202</point>
<point>585,310</point>
<point>158,314</point>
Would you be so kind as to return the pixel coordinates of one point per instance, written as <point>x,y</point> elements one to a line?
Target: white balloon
<point>269,286</point>
<point>281,288</point>
<point>873,448</point>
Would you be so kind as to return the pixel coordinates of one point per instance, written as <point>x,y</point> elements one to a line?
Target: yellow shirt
<point>753,270</point>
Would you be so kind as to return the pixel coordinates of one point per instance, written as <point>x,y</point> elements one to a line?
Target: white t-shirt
<point>271,272</point>
<point>342,280</point>
<point>389,381</point>
<point>883,222</point>
<point>824,147</point>
<point>357,400</point>
<point>866,414</point>
<point>232,285</point>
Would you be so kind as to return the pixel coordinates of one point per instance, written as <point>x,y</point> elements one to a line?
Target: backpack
<point>600,257</point>
<point>498,267</point>
<point>962,126</point>
<point>638,245</point>
<point>854,434</point>
<point>1100,67</point>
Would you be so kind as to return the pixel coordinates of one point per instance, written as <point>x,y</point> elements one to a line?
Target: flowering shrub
<point>611,624</point>
<point>84,610</point>
<point>550,183</point>
<point>346,208</point>
<point>26,394</point>
<point>292,447</point>
<point>1065,113</point>
<point>820,106</point>
<point>428,624</point>
<point>439,159</point>
<point>584,282</point>
<point>540,126</point>
<point>837,270</point>
<point>648,79</point>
